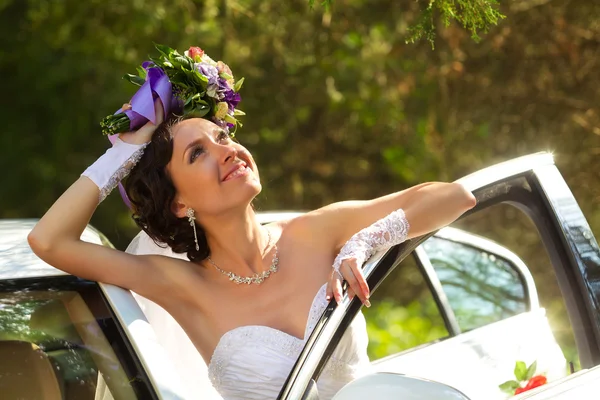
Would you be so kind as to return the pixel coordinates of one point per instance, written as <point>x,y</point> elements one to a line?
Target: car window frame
<point>532,184</point>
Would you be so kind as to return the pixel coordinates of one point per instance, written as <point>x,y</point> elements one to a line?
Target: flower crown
<point>189,84</point>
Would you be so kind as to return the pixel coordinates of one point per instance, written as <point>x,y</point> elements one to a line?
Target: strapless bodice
<point>253,362</point>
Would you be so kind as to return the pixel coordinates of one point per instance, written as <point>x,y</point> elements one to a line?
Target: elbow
<point>39,243</point>
<point>464,196</point>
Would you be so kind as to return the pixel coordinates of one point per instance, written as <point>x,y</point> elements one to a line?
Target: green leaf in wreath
<point>136,80</point>
<point>164,50</point>
<point>509,387</point>
<point>531,370</point>
<point>230,119</point>
<point>181,62</point>
<point>178,77</point>
<point>157,62</point>
<point>238,112</point>
<point>238,85</point>
<point>199,78</point>
<point>192,98</point>
<point>141,72</point>
<point>198,112</point>
<point>520,371</point>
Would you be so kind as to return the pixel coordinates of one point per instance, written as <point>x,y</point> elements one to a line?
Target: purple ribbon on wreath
<point>142,105</point>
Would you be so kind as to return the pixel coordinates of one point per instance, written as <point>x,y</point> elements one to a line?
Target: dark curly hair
<point>151,192</point>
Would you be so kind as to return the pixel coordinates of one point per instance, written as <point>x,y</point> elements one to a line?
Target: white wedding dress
<point>253,362</point>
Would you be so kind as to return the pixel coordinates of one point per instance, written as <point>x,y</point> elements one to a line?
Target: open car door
<point>534,186</point>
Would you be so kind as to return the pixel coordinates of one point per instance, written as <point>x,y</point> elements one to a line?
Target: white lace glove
<point>113,166</point>
<point>381,235</point>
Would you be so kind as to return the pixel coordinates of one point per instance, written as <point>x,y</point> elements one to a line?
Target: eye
<point>196,152</point>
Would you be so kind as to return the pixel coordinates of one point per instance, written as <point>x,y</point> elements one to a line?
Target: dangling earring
<point>192,219</point>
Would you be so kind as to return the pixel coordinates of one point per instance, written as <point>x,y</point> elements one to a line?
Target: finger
<point>337,289</point>
<point>328,290</point>
<point>360,278</point>
<point>351,293</point>
<point>146,131</point>
<point>349,275</point>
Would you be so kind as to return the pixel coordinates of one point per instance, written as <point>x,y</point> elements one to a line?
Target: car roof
<point>17,260</point>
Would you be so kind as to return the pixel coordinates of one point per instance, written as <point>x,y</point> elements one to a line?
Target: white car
<point>62,337</point>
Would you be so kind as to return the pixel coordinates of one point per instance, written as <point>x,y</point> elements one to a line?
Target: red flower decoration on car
<point>523,374</point>
<point>519,390</point>
<point>536,381</point>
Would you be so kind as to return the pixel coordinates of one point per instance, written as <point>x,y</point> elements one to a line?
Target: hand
<point>144,134</point>
<point>351,272</point>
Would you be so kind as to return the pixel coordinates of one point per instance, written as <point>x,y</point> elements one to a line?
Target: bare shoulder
<point>310,227</point>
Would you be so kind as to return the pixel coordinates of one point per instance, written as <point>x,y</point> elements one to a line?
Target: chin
<point>256,187</point>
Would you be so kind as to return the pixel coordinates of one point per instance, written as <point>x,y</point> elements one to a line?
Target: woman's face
<point>211,173</point>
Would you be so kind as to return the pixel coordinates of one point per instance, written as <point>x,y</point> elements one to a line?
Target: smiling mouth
<point>241,170</point>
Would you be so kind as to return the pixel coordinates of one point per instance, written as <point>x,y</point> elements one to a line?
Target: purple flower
<point>232,99</point>
<point>218,88</point>
<point>223,85</point>
<point>208,71</point>
<point>212,74</point>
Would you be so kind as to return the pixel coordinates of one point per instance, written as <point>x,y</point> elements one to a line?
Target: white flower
<point>222,110</point>
<point>208,60</point>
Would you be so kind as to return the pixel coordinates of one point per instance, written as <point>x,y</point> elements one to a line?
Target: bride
<point>249,294</point>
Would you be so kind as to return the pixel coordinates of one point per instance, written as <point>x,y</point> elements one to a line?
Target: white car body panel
<point>385,386</point>
<point>477,362</point>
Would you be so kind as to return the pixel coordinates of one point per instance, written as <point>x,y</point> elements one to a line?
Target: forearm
<point>67,218</point>
<point>408,214</point>
<point>428,207</point>
<point>69,215</point>
<point>434,206</point>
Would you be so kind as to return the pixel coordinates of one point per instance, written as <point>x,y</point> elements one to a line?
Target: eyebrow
<point>215,132</point>
<point>189,146</point>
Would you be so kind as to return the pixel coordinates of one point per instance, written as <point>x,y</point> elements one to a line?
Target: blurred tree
<point>473,15</point>
<point>393,329</point>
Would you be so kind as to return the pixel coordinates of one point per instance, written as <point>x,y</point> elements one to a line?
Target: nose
<point>229,153</point>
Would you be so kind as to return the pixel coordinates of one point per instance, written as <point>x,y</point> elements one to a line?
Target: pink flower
<point>195,53</point>
<point>224,68</point>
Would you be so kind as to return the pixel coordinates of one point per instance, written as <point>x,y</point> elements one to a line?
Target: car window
<point>515,231</point>
<point>480,286</point>
<point>403,313</point>
<point>59,341</point>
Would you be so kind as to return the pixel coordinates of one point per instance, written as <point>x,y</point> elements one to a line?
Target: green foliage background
<point>338,105</point>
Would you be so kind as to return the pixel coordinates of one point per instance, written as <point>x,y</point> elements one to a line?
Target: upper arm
<point>427,207</point>
<point>145,275</point>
